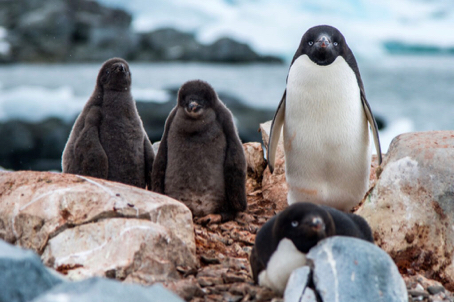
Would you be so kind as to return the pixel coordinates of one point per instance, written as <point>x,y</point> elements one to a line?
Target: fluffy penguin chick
<point>108,139</point>
<point>325,116</point>
<point>282,243</point>
<point>200,160</point>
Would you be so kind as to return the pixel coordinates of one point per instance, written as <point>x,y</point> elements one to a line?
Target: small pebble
<point>418,293</point>
<point>433,290</point>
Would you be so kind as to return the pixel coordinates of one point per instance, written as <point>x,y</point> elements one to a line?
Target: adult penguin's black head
<point>323,44</point>
<point>305,224</point>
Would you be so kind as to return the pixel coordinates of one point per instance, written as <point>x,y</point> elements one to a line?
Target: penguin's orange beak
<point>323,41</point>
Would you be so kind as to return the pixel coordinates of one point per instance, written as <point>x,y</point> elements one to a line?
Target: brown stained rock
<point>256,164</point>
<point>410,208</point>
<point>91,227</point>
<point>274,186</point>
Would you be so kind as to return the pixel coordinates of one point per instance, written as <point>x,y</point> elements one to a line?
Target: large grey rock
<point>102,290</point>
<point>91,227</point>
<point>23,276</point>
<point>411,208</point>
<point>350,269</point>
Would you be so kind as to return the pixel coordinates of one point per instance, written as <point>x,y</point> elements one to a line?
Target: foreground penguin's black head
<point>305,224</point>
<point>323,44</point>
<point>115,75</point>
<point>195,97</point>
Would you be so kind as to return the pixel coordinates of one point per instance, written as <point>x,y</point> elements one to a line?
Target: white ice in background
<point>274,26</point>
<point>35,103</point>
<point>150,95</point>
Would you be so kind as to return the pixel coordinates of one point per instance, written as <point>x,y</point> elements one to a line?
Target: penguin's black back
<point>348,224</point>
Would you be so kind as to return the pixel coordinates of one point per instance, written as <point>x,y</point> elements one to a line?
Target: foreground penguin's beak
<point>317,224</point>
<point>193,106</point>
<point>323,41</point>
<point>121,68</point>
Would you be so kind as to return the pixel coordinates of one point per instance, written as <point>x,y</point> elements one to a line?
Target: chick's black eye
<point>294,223</point>
<point>335,43</point>
<point>310,43</point>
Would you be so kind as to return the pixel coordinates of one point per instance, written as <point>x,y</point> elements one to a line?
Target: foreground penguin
<point>282,243</point>
<point>200,160</point>
<point>108,139</point>
<point>325,116</point>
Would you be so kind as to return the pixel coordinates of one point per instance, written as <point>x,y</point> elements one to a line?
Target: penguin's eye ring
<point>310,43</point>
<point>294,223</point>
<point>335,43</point>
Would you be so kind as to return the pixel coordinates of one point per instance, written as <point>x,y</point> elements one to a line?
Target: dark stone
<point>418,293</point>
<point>105,290</point>
<point>23,277</point>
<point>434,289</point>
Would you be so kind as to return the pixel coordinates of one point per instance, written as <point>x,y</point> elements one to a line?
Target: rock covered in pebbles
<point>410,209</point>
<point>349,269</point>
<point>103,290</point>
<point>23,276</point>
<point>90,227</point>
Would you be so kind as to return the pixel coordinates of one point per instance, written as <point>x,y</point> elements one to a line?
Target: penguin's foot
<point>209,219</point>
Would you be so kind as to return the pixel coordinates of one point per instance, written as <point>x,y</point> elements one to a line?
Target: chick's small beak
<point>193,106</point>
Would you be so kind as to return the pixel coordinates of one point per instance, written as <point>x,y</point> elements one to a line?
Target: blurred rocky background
<point>84,30</point>
<point>68,31</point>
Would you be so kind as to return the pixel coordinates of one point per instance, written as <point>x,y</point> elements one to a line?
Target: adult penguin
<point>325,116</point>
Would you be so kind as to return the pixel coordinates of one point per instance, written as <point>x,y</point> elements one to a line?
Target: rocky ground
<point>224,273</point>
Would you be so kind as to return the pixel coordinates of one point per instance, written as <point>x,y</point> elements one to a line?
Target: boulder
<point>274,186</point>
<point>103,290</point>
<point>91,227</point>
<point>23,276</point>
<point>410,209</point>
<point>347,269</point>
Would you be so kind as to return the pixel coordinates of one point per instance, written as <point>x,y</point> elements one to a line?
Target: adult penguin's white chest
<point>326,135</point>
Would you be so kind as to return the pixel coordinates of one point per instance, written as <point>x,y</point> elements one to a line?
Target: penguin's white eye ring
<point>310,43</point>
<point>294,223</point>
<point>335,43</point>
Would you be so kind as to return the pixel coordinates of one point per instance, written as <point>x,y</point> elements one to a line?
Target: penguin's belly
<point>195,173</point>
<point>326,136</point>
